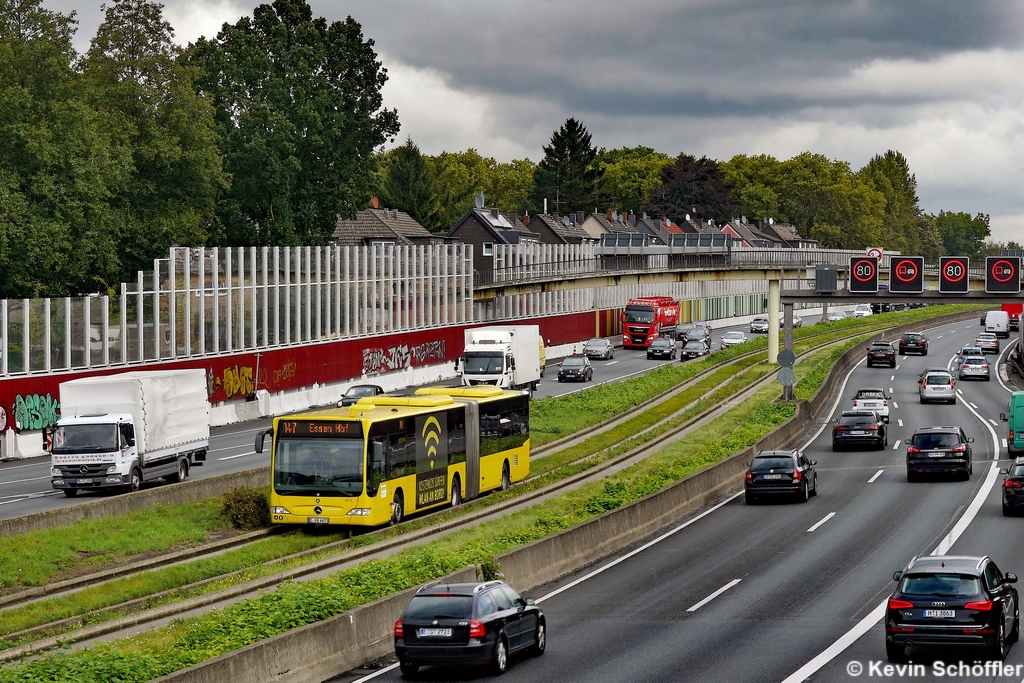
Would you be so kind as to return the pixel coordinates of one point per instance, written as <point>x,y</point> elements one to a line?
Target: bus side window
<point>375,472</point>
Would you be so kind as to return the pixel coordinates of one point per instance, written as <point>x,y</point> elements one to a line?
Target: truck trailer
<point>118,431</point>
<point>647,318</point>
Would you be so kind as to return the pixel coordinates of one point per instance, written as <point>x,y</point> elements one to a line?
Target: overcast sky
<point>938,80</point>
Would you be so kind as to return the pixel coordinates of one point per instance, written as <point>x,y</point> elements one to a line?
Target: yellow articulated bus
<point>388,456</point>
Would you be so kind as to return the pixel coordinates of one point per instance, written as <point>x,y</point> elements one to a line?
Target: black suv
<point>774,473</point>
<point>914,341</point>
<point>943,601</point>
<point>467,624</point>
<point>859,427</point>
<point>662,347</point>
<point>881,353</point>
<point>939,450</point>
<point>1013,488</point>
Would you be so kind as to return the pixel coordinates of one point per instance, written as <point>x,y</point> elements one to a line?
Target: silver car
<point>975,368</point>
<point>599,347</point>
<point>759,324</point>
<point>733,338</point>
<point>937,386</point>
<point>836,316</point>
<point>988,342</point>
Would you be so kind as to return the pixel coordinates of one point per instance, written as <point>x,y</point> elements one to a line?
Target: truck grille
<point>83,470</point>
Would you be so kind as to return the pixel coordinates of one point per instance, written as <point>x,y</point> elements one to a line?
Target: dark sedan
<point>914,342</point>
<point>775,473</point>
<point>859,428</point>
<point>575,369</point>
<point>1013,488</point>
<point>881,353</point>
<point>694,349</point>
<point>662,347</point>
<point>467,624</point>
<point>939,450</point>
<point>359,391</point>
<point>949,601</point>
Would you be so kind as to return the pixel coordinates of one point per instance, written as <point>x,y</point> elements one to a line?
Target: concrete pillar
<point>824,311</point>
<point>773,321</point>
<point>787,327</point>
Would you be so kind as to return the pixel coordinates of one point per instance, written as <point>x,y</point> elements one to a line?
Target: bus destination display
<point>316,428</point>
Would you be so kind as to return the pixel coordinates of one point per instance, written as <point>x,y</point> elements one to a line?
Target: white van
<point>998,322</point>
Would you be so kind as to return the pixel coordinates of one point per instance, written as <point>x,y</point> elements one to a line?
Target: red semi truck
<point>647,318</point>
<point>1014,311</point>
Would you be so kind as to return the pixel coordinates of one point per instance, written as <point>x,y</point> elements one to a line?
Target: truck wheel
<point>180,474</point>
<point>135,480</point>
<point>70,493</point>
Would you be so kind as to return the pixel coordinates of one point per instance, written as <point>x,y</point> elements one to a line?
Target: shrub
<point>247,508</point>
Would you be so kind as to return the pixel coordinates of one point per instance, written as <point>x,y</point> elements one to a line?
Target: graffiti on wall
<point>401,356</point>
<point>34,411</point>
<point>287,371</point>
<point>235,381</point>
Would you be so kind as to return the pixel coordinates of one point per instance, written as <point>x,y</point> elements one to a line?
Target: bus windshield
<point>483,363</point>
<point>86,438</point>
<point>639,315</point>
<point>323,467</point>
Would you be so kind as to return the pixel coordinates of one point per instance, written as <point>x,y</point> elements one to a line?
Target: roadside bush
<point>247,508</point>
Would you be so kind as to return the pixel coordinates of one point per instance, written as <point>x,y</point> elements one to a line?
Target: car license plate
<point>940,613</point>
<point>857,433</point>
<point>83,481</point>
<point>435,633</point>
<point>936,455</point>
<point>318,520</point>
<point>772,476</point>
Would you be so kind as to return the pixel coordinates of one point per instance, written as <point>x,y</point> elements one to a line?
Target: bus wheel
<point>506,478</point>
<point>456,492</point>
<point>397,509</point>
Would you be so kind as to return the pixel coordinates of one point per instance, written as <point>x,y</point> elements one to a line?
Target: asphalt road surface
<point>787,591</point>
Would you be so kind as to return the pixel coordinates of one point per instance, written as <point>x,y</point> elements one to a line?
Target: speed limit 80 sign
<point>863,274</point>
<point>954,274</point>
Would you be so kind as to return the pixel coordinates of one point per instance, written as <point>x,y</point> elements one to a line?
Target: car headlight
<point>359,512</point>
<point>278,510</point>
<point>55,471</point>
<point>112,469</point>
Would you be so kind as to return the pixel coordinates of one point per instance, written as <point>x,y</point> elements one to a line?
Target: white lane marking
<point>898,367</point>
<point>240,455</point>
<point>877,475</point>
<point>875,616</point>
<point>378,672</point>
<point>611,362</point>
<point>954,330</point>
<point>1004,443</point>
<point>891,379</point>
<point>895,404</point>
<point>821,521</point>
<point>839,397</point>
<point>18,467</point>
<point>900,422</point>
<point>939,337</point>
<point>22,481</point>
<point>960,391</point>
<point>994,423</point>
<point>891,392</point>
<point>714,595</point>
<point>904,358</point>
<point>973,404</point>
<point>999,375</point>
<point>29,496</point>
<point>896,446</point>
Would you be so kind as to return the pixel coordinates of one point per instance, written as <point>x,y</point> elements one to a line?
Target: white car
<point>862,311</point>
<point>733,338</point>
<point>834,316</point>
<point>872,399</point>
<point>759,324</point>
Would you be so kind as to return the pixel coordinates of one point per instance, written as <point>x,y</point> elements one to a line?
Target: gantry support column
<point>773,320</point>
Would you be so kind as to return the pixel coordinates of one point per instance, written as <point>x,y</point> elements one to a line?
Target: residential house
<point>382,226</point>
<point>559,230</point>
<point>598,224</point>
<point>483,228</point>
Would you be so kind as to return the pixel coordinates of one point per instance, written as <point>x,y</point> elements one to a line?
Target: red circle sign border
<point>1012,269</point>
<point>895,266</point>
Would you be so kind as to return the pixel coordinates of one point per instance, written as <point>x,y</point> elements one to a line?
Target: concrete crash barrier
<point>188,491</point>
<point>315,652</point>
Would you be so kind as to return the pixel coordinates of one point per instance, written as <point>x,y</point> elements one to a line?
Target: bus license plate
<point>318,520</point>
<point>435,633</point>
<point>940,613</point>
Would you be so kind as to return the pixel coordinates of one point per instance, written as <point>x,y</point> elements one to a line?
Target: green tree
<point>902,227</point>
<point>692,186</point>
<point>566,176</point>
<point>628,174</point>
<point>148,101</point>
<point>58,168</point>
<point>509,184</point>
<point>754,181</point>
<point>299,114</point>
<point>460,176</point>
<point>410,185</point>
<point>962,234</point>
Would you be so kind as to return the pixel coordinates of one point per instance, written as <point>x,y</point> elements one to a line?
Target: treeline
<point>261,135</point>
<point>825,199</point>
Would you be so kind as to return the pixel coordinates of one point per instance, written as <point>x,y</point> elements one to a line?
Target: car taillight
<point>913,449</point>
<point>840,428</point>
<point>984,367</point>
<point>981,605</point>
<point>750,476</point>
<point>477,629</point>
<point>1013,484</point>
<point>399,629</point>
<point>952,384</point>
<point>899,604</point>
<point>885,402</point>
<point>797,475</point>
<point>960,449</point>
<point>1011,435</point>
<point>871,428</point>
<point>854,403</point>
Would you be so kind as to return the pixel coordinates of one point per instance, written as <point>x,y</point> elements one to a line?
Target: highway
<point>785,592</point>
<point>25,484</point>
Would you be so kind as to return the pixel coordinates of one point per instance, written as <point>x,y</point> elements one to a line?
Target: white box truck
<point>998,322</point>
<point>121,430</point>
<point>506,356</point>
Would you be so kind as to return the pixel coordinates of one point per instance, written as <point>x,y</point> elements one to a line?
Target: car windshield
<point>852,420</point>
<point>573,362</point>
<point>864,307</point>
<point>773,462</point>
<point>597,343</point>
<point>738,336</point>
<point>941,585</point>
<point>911,337</point>
<point>1017,471</point>
<point>696,333</point>
<point>927,442</point>
<point>760,320</point>
<point>483,363</point>
<point>324,466</point>
<point>639,315</point>
<point>694,346</point>
<point>936,380</point>
<point>870,393</point>
<point>661,342</point>
<point>882,346</point>
<point>430,607</point>
<point>361,391</point>
<point>94,438</point>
